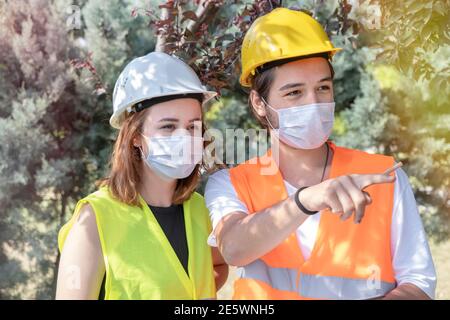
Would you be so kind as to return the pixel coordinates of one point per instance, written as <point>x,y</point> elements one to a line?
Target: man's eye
<point>324,88</point>
<point>196,125</point>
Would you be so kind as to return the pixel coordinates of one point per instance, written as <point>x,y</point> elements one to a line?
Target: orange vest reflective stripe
<point>348,260</point>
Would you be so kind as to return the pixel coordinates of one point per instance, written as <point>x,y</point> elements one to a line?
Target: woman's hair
<point>126,165</point>
<point>263,80</point>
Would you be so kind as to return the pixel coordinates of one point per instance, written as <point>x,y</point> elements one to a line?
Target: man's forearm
<point>249,236</point>
<point>406,291</point>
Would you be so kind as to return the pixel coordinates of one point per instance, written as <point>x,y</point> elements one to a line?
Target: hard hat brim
<point>119,116</point>
<point>245,78</point>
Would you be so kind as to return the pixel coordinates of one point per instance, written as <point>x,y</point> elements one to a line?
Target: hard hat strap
<point>280,62</point>
<point>150,102</point>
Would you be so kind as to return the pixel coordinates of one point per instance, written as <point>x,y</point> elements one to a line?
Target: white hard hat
<point>154,75</point>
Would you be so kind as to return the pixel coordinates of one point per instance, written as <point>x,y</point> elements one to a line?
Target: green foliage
<point>114,36</point>
<point>36,85</point>
<point>55,140</point>
<point>403,108</point>
<point>391,90</point>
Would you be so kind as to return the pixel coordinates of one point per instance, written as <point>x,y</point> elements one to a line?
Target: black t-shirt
<point>171,220</point>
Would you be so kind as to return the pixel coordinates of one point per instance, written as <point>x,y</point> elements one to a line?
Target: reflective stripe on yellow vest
<point>140,262</point>
<point>348,261</point>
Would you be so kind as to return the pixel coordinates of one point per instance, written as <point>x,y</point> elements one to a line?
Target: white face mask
<point>304,127</point>
<point>173,157</point>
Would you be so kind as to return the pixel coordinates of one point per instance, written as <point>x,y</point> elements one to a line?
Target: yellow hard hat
<point>281,34</point>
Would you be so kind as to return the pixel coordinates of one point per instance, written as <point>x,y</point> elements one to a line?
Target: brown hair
<point>126,162</point>
<point>261,83</point>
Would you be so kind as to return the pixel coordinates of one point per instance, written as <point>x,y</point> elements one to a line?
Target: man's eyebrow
<point>196,119</point>
<point>326,79</point>
<point>291,85</point>
<point>299,84</point>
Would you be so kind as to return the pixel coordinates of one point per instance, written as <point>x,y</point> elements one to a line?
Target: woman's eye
<point>168,127</point>
<point>294,93</point>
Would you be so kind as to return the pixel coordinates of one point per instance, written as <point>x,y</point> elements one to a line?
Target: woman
<point>289,229</point>
<point>143,233</point>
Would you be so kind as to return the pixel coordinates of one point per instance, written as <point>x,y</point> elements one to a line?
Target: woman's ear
<point>137,141</point>
<point>257,103</point>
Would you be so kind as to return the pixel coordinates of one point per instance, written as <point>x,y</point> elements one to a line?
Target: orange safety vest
<point>348,261</point>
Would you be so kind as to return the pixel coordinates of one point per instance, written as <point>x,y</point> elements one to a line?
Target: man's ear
<point>257,103</point>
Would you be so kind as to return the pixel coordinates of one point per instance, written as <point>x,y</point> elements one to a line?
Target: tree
<point>404,108</point>
<point>37,112</point>
<point>55,139</point>
<point>55,100</point>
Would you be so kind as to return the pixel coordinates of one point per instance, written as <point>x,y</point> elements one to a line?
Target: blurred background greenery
<point>59,60</point>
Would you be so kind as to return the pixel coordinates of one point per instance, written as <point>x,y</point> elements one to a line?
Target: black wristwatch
<point>300,205</point>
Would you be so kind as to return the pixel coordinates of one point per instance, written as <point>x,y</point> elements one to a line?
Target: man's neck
<point>301,167</point>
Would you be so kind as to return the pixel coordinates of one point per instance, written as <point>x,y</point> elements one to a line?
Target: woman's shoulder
<point>82,220</point>
<point>197,198</point>
<point>102,196</point>
<point>101,204</point>
<point>101,193</point>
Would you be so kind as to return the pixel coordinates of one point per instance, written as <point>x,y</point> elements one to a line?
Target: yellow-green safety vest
<point>139,260</point>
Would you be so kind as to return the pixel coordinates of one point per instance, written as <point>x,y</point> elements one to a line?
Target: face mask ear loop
<point>267,118</point>
<point>140,147</point>
<point>142,152</point>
